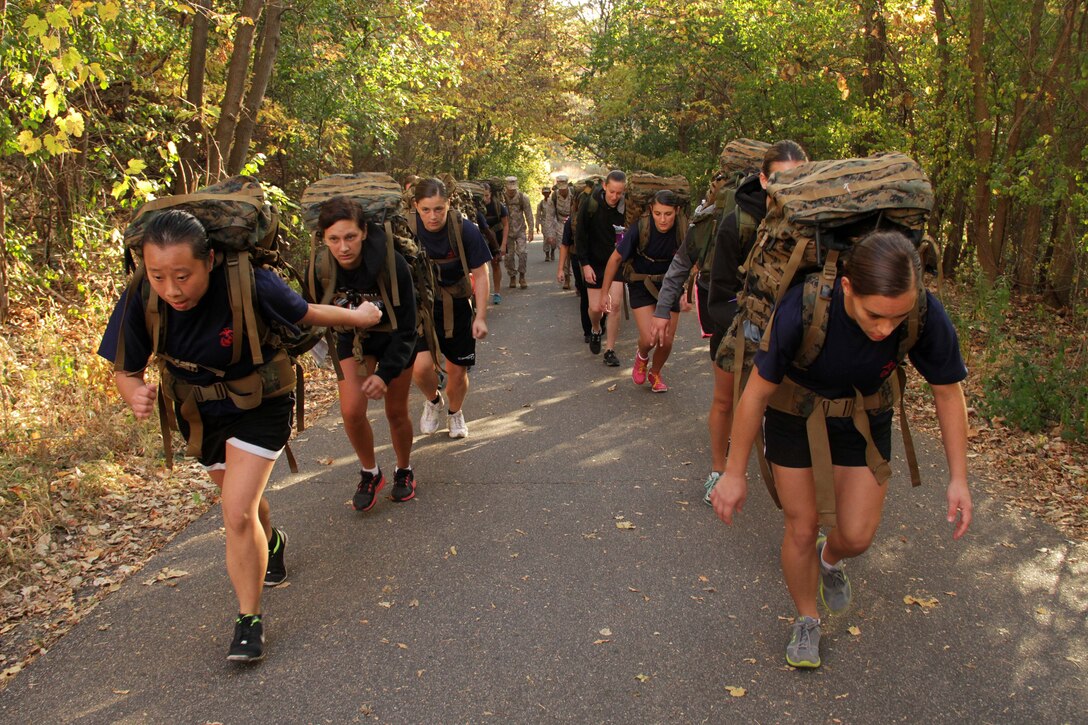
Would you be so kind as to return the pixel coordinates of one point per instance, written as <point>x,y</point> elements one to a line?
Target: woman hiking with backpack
<point>645,262</point>
<point>237,446</point>
<point>717,289</point>
<point>461,260</point>
<point>873,303</point>
<point>375,364</point>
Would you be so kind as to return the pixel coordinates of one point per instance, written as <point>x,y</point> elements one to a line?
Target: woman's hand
<point>366,315</point>
<point>959,502</point>
<point>479,329</point>
<point>729,495</point>
<point>658,327</point>
<point>373,387</point>
<point>588,274</point>
<point>142,401</point>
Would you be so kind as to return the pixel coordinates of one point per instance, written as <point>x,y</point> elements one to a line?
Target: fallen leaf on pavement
<point>606,632</point>
<point>165,574</point>
<point>624,525</point>
<point>854,631</point>
<point>642,678</point>
<point>736,691</point>
<point>923,603</point>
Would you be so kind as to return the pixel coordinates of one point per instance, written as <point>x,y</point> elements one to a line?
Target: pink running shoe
<point>638,373</point>
<point>657,385</point>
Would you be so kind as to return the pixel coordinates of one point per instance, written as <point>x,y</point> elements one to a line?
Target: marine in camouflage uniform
<point>547,225</point>
<point>556,212</point>
<point>521,231</point>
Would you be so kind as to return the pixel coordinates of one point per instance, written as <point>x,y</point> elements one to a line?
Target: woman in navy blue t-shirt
<point>650,259</point>
<point>870,305</point>
<point>238,447</point>
<point>457,290</point>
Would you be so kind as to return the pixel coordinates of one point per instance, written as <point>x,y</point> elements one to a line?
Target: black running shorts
<point>639,296</point>
<point>460,349</point>
<point>263,431</point>
<point>786,439</point>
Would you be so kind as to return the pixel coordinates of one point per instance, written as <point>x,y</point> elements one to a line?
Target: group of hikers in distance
<point>408,285</point>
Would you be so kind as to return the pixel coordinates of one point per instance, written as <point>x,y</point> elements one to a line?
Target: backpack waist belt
<point>460,290</point>
<point>797,400</point>
<point>273,379</point>
<point>652,282</point>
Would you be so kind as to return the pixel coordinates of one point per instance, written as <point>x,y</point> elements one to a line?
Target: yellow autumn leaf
<point>108,11</point>
<point>854,631</point>
<point>58,17</point>
<point>624,525</point>
<point>642,678</point>
<point>72,124</point>
<point>736,691</point>
<point>34,26</point>
<point>50,43</point>
<point>135,166</point>
<point>28,144</point>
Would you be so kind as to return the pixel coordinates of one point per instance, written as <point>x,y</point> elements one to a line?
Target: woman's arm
<point>481,288</point>
<point>952,416</point>
<point>729,495</point>
<point>610,270</point>
<point>365,315</point>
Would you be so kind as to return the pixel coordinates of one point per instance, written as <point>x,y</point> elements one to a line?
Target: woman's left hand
<point>479,329</point>
<point>959,502</point>
<point>373,387</point>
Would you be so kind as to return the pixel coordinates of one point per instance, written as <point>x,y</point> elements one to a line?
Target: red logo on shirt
<point>888,369</point>
<point>226,337</point>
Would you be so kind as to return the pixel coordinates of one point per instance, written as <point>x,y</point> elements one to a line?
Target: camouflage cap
<point>545,190</point>
<point>511,182</point>
<point>562,180</point>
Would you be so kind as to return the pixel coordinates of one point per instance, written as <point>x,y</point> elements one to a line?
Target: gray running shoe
<point>835,590</point>
<point>803,649</point>
<point>711,482</point>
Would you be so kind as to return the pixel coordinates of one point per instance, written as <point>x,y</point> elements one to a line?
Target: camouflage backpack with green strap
<point>243,228</point>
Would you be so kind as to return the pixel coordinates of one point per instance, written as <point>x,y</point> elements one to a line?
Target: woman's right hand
<point>142,401</point>
<point>588,274</point>
<point>729,495</point>
<point>367,314</point>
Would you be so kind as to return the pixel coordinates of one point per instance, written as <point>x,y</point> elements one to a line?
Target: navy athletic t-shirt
<point>850,358</point>
<point>203,334</point>
<point>662,247</point>
<point>438,247</point>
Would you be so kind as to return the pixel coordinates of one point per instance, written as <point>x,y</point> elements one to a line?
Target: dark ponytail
<point>883,263</point>
<point>782,151</point>
<point>427,188</point>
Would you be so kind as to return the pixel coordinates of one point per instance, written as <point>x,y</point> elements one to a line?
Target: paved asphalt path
<point>506,592</point>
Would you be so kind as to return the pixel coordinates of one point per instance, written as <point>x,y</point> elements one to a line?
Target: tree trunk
<point>953,250</point>
<point>236,81</point>
<point>268,44</point>
<point>188,174</point>
<point>983,124</point>
<point>3,255</point>
<point>872,81</point>
<point>1020,110</point>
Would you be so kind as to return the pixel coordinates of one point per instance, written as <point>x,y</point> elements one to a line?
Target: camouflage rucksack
<point>817,211</point>
<point>638,198</point>
<point>584,195</point>
<point>379,195</point>
<point>243,228</point>
<point>740,158</point>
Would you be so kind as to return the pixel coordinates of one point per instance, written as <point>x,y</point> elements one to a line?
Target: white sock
<point>372,471</point>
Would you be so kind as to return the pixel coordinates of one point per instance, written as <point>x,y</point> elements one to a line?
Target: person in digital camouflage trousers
<point>520,232</point>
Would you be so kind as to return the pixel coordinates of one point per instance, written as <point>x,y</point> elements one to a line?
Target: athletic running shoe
<point>366,494</point>
<point>248,644</point>
<point>458,427</point>
<point>432,412</point>
<point>803,649</point>
<point>610,359</point>
<point>835,589</point>
<point>657,385</point>
<point>711,482</point>
<point>586,337</point>
<point>496,298</point>
<point>638,372</point>
<point>276,573</point>
<point>595,343</point>
<point>404,485</point>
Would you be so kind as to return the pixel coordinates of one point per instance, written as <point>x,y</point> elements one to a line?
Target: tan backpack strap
<point>292,463</point>
<point>765,468</point>
<point>388,304</point>
<point>172,201</point>
<point>252,332</point>
<point>816,332</point>
<point>234,288</point>
<point>822,470</point>
<point>899,384</point>
<point>447,312</point>
<point>300,398</point>
<point>453,225</point>
<point>166,425</point>
<point>413,223</point>
<point>391,256</point>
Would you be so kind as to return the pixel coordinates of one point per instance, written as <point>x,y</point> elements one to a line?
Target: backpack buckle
<point>205,393</point>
